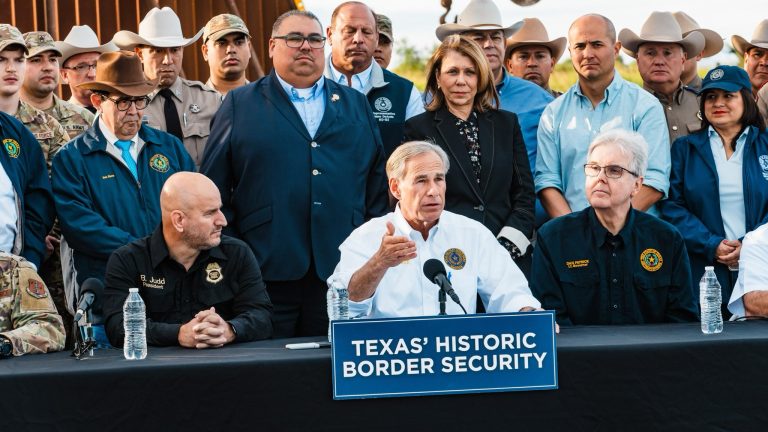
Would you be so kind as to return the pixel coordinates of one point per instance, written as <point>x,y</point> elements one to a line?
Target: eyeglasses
<point>124,104</point>
<point>296,40</point>
<point>611,171</point>
<point>82,68</point>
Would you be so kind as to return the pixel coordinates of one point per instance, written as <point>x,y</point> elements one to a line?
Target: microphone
<point>88,293</point>
<point>434,270</point>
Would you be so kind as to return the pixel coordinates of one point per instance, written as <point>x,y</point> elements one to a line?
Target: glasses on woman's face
<point>611,171</point>
<point>124,103</point>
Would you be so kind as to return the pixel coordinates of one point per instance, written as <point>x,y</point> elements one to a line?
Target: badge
<point>651,260</point>
<point>213,273</point>
<point>334,97</point>
<point>716,74</point>
<point>194,108</point>
<point>36,289</point>
<point>382,104</point>
<point>12,147</point>
<point>159,163</point>
<point>455,258</point>
<point>763,159</point>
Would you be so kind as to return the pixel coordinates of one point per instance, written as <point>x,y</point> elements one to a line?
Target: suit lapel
<point>333,94</point>
<point>487,148</point>
<point>444,123</point>
<point>703,147</point>
<point>275,93</point>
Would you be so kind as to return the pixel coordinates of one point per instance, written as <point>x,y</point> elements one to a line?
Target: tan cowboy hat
<point>533,33</point>
<point>661,27</point>
<point>120,72</point>
<point>713,42</point>
<point>82,39</point>
<point>759,39</point>
<point>478,15</point>
<point>159,28</point>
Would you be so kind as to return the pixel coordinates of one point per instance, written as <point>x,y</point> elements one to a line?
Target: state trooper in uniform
<point>180,107</point>
<point>42,78</point>
<point>354,36</point>
<point>227,49</point>
<point>661,52</point>
<point>713,45</point>
<point>29,322</point>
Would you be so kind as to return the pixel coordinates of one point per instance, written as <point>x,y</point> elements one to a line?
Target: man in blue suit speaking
<point>299,163</point>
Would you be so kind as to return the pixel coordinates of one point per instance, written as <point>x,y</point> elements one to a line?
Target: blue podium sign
<point>439,355</point>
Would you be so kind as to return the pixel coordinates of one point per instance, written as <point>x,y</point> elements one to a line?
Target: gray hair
<point>294,12</point>
<point>409,150</point>
<point>630,144</point>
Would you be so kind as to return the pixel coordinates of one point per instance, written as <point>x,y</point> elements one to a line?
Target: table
<point>645,378</point>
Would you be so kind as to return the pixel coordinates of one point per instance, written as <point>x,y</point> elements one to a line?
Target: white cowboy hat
<point>533,33</point>
<point>478,15</point>
<point>159,28</point>
<point>82,39</point>
<point>713,42</point>
<point>759,39</point>
<point>661,27</point>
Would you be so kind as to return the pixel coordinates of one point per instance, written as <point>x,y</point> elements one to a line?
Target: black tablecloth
<point>655,377</point>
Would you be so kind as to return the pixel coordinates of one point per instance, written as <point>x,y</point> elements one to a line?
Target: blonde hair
<point>486,97</point>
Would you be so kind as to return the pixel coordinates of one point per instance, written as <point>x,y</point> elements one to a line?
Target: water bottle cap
<point>133,290</point>
<point>709,268</point>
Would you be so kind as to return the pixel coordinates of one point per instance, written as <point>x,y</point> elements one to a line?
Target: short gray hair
<point>630,144</point>
<point>294,12</point>
<point>409,150</point>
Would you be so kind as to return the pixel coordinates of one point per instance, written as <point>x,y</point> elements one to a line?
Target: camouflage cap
<point>38,42</point>
<point>10,35</point>
<point>384,25</point>
<point>222,25</point>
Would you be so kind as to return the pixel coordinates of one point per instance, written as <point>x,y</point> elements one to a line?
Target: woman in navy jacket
<point>719,180</point>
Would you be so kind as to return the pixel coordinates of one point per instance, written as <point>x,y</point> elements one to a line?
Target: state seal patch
<point>651,260</point>
<point>455,258</point>
<point>12,147</point>
<point>159,163</point>
<point>382,104</point>
<point>213,273</point>
<point>36,289</point>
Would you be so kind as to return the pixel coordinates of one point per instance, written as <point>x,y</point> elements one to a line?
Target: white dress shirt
<point>753,263</point>
<point>478,264</point>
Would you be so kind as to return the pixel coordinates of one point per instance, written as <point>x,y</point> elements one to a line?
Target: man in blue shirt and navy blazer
<point>299,163</point>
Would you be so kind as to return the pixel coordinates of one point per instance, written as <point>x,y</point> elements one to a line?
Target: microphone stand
<point>84,340</point>
<point>441,297</point>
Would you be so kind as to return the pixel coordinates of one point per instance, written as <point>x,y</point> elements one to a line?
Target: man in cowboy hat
<point>601,99</point>
<point>299,164</point>
<point>532,56</point>
<point>42,79</point>
<point>184,108</point>
<point>383,52</point>
<point>227,49</point>
<point>79,51</point>
<point>713,44</point>
<point>353,36</point>
<point>481,21</point>
<point>107,181</point>
<point>755,53</point>
<point>661,51</point>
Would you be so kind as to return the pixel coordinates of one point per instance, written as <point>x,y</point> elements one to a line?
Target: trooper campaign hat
<point>478,15</point>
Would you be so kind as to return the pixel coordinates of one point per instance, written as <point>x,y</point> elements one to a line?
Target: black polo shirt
<point>589,276</point>
<point>226,277</point>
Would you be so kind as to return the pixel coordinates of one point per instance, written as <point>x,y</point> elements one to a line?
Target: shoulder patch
<point>12,147</point>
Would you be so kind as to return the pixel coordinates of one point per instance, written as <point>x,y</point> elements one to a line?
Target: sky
<point>416,20</point>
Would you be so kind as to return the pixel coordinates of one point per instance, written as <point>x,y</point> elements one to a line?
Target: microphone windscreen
<point>92,285</point>
<point>432,268</point>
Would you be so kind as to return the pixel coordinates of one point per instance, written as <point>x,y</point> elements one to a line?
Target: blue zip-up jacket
<point>693,205</point>
<point>101,207</point>
<point>23,162</point>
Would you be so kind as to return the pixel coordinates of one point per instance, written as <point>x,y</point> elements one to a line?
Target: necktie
<point>125,146</point>
<point>172,122</point>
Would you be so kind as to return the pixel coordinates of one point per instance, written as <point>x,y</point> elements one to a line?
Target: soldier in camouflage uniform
<point>48,132</point>
<point>28,318</point>
<point>42,79</point>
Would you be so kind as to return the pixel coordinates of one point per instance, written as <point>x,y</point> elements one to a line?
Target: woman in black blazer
<point>490,179</point>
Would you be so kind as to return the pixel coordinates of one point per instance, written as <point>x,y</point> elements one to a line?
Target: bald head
<point>191,210</point>
<point>183,191</point>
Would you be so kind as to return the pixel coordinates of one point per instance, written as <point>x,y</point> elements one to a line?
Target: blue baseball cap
<point>728,78</point>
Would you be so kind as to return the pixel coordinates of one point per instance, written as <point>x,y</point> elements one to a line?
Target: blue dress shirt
<point>309,102</point>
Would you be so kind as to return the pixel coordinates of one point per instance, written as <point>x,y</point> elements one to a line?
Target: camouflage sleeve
<point>60,137</point>
<point>35,325</point>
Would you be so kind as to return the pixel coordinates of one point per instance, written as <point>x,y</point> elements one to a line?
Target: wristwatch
<point>513,250</point>
<point>6,348</point>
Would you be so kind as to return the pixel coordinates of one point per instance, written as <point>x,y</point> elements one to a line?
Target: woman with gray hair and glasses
<point>609,263</point>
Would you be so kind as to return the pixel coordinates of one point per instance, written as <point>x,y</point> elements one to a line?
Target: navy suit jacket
<point>291,197</point>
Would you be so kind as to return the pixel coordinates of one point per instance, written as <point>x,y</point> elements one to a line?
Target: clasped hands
<point>206,330</point>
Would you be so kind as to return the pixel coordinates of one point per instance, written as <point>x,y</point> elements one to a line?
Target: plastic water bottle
<point>338,303</point>
<point>135,326</point>
<point>710,298</point>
